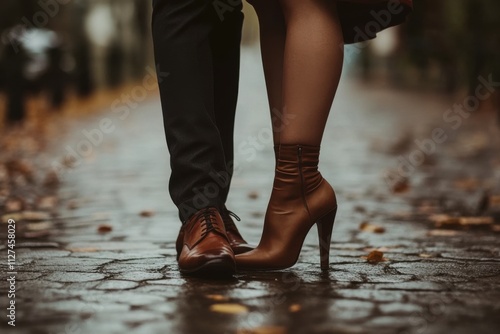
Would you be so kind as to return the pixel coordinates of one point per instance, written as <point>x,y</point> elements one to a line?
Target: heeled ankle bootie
<point>300,199</point>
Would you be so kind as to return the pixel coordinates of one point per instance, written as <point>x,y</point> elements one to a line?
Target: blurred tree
<point>141,23</point>
<point>417,45</point>
<point>13,66</point>
<point>115,61</point>
<point>81,51</point>
<point>55,79</point>
<point>83,73</point>
<point>461,37</point>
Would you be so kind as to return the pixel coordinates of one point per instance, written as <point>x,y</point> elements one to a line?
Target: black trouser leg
<point>187,47</point>
<point>225,42</point>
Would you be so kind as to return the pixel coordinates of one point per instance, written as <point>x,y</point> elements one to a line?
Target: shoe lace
<point>208,222</point>
<point>228,222</point>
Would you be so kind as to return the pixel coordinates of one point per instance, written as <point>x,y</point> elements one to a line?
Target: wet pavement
<point>108,265</point>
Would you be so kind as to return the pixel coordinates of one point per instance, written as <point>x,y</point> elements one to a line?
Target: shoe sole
<point>236,250</point>
<point>212,268</point>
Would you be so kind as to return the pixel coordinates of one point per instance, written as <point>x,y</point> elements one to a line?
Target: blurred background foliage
<point>59,50</point>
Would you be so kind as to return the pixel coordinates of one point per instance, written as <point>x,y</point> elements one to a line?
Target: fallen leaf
<point>375,257</point>
<point>47,202</point>
<point>263,330</point>
<point>495,228</point>
<point>147,213</point>
<point>39,226</point>
<point>14,205</point>
<point>218,298</point>
<point>104,228</point>
<point>442,233</point>
<point>35,216</point>
<point>444,220</point>
<point>401,186</point>
<point>294,308</point>
<point>369,227</point>
<point>83,250</point>
<point>229,308</point>
<point>14,216</point>
<point>476,221</point>
<point>426,256</point>
<point>253,195</point>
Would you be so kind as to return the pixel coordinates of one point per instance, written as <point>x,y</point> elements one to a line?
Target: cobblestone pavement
<point>432,280</point>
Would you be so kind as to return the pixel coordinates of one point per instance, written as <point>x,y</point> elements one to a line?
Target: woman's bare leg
<point>272,43</point>
<point>312,67</point>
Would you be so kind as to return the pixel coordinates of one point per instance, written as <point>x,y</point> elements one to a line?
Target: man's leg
<point>225,42</point>
<point>182,31</point>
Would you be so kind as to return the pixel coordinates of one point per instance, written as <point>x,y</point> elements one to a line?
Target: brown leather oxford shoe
<point>205,246</point>
<point>236,241</point>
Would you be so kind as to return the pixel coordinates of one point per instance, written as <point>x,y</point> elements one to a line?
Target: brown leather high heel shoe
<point>300,199</point>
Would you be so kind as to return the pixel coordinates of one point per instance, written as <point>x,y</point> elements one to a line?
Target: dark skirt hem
<point>361,20</point>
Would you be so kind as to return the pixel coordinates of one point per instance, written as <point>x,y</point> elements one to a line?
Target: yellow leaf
<point>218,298</point>
<point>294,308</point>
<point>47,202</point>
<point>442,233</point>
<point>35,216</point>
<point>13,205</point>
<point>476,221</point>
<point>83,250</point>
<point>39,226</point>
<point>369,227</point>
<point>263,330</point>
<point>229,308</point>
<point>444,220</point>
<point>14,216</point>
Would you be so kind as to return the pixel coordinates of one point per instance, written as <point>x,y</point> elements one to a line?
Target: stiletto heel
<point>325,228</point>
